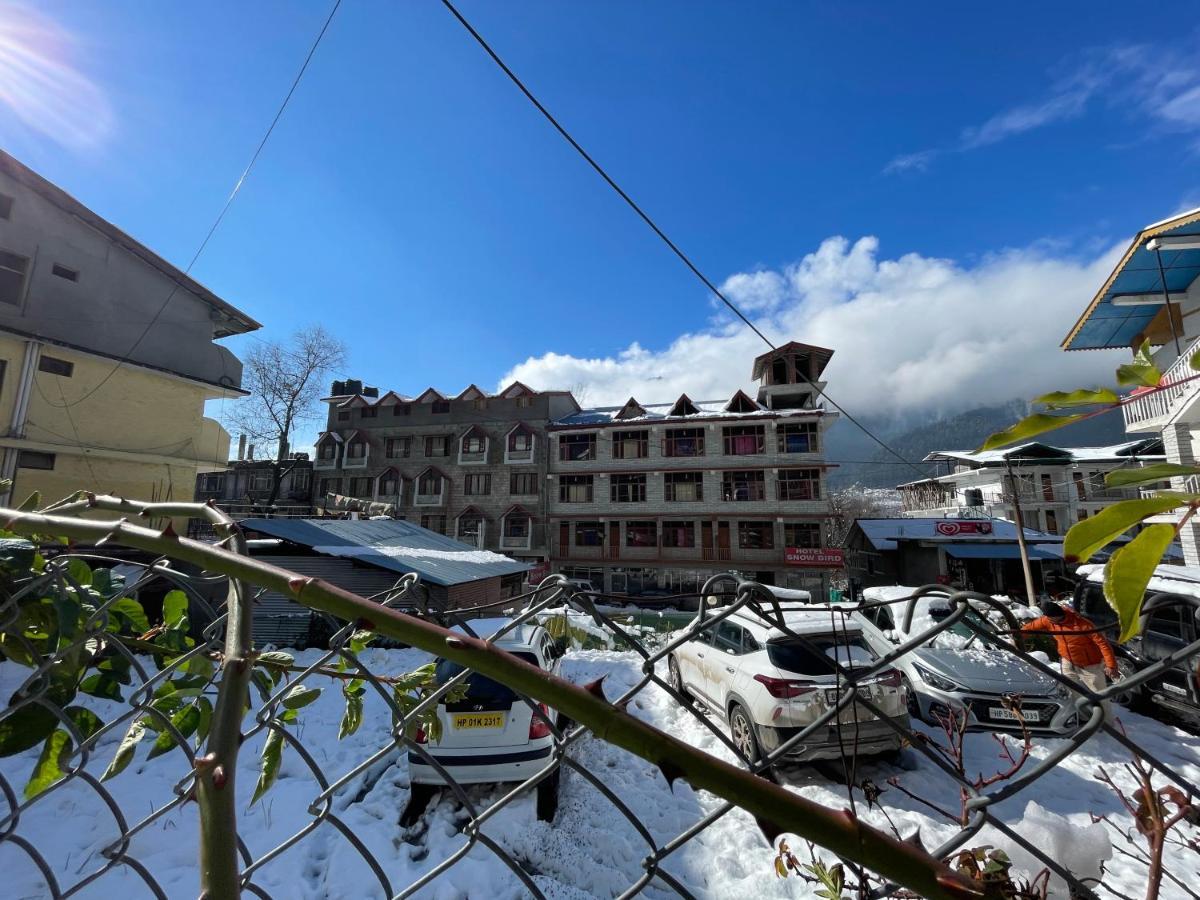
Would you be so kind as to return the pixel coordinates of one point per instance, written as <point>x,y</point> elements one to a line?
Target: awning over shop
<point>1000,551</point>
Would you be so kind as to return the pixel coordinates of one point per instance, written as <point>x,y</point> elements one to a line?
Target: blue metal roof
<point>392,544</point>
<point>1001,551</point>
<point>1105,325</point>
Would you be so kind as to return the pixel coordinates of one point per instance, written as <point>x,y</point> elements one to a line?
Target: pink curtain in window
<point>745,444</point>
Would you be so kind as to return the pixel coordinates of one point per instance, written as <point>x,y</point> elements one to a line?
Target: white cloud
<point>911,335</point>
<point>1155,86</point>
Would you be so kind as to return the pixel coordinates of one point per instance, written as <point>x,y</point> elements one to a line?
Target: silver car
<point>957,674</point>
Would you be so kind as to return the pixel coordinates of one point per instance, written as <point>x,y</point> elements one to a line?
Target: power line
<point>220,216</point>
<point>683,257</point>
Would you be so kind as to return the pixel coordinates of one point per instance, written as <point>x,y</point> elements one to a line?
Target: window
<point>641,534</point>
<point>398,448</point>
<point>756,535</point>
<point>799,484</point>
<point>520,442</point>
<point>684,442</point>
<point>630,444</point>
<point>815,655</point>
<point>369,412</point>
<point>389,484</point>
<point>301,479</point>
<point>480,403</point>
<point>6,205</point>
<point>434,523</point>
<point>331,486</point>
<point>1051,522</point>
<point>743,486</point>
<point>743,440</point>
<point>440,407</point>
<point>1080,490</point>
<point>797,437</point>
<point>477,485</point>
<point>683,487</point>
<point>436,445</point>
<point>327,450</point>
<point>429,484</point>
<point>474,443</point>
<point>575,489</point>
<point>628,489</point>
<point>212,482</point>
<point>344,416</point>
<point>523,483</point>
<point>12,277</point>
<point>728,638</point>
<point>356,450</point>
<point>801,534</point>
<point>516,526</point>
<point>55,366</point>
<point>260,481</point>
<point>63,272</point>
<point>589,534</point>
<point>577,447</point>
<point>1165,621</point>
<point>679,534</point>
<point>360,487</point>
<point>470,529</point>
<point>402,409</point>
<point>1047,489</point>
<point>524,402</point>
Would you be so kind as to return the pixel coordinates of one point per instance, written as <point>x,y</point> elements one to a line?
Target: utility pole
<point>1020,522</point>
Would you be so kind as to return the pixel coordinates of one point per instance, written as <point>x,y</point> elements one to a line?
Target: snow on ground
<point>589,851</point>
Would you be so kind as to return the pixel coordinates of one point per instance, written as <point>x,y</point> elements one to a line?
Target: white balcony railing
<point>1154,408</point>
<point>514,542</point>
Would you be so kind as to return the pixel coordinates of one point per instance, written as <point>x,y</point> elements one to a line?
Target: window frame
<point>586,442</point>
<point>22,283</point>
<point>733,435</point>
<point>632,484</point>
<point>567,482</point>
<point>637,440</point>
<point>752,527</point>
<point>754,482</point>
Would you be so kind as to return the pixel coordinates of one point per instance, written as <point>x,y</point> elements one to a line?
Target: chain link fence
<point>330,794</point>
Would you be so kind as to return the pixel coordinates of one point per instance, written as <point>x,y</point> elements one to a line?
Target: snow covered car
<point>769,685</point>
<point>1165,631</point>
<point>955,673</point>
<point>491,735</point>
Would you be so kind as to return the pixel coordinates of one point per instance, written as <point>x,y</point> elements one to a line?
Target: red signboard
<point>818,557</point>
<point>537,573</point>
<point>952,527</point>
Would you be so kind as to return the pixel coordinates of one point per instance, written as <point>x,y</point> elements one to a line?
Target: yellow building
<point>107,354</point>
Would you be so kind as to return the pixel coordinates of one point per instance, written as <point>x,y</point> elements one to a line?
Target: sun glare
<point>41,87</point>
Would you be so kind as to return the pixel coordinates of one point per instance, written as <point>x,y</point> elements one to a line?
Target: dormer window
<point>430,488</point>
<point>518,445</point>
<point>473,447</point>
<point>470,528</point>
<point>441,407</point>
<point>389,484</point>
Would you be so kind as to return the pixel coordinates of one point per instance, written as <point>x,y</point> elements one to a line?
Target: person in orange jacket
<point>1084,653</point>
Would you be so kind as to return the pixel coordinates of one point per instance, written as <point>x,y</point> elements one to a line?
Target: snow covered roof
<point>1166,579</point>
<point>806,619</point>
<point>392,544</point>
<point>883,533</point>
<point>655,412</point>
<point>1150,448</point>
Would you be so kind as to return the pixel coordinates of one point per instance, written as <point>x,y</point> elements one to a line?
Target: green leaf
<point>1156,472</point>
<point>51,765</point>
<point>206,711</point>
<point>119,666</point>
<point>1030,426</point>
<point>25,728</point>
<point>187,720</point>
<point>299,697</point>
<point>32,502</point>
<point>106,583</point>
<point>277,657</point>
<point>1128,572</point>
<point>1088,536</point>
<point>1194,362</point>
<point>84,720</point>
<point>127,613</point>
<point>79,571</point>
<point>269,768</point>
<point>125,751</point>
<point>1081,397</point>
<point>102,685</point>
<point>175,610</point>
<point>353,716</point>
<point>1142,371</point>
<point>261,680</point>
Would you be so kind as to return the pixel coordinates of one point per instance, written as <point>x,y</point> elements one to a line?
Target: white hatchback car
<point>955,674</point>
<point>769,684</point>
<point>491,735</point>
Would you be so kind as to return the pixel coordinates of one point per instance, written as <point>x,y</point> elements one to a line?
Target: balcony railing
<point>1154,408</point>
<point>514,542</point>
<point>356,462</point>
<point>321,463</point>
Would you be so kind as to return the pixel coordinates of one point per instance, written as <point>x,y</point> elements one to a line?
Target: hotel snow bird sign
<point>818,557</point>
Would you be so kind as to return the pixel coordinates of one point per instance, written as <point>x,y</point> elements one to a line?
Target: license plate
<point>832,694</point>
<point>1029,715</point>
<point>1174,689</point>
<point>463,721</point>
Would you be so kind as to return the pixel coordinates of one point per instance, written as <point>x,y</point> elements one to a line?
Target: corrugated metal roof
<point>883,533</point>
<point>392,544</point>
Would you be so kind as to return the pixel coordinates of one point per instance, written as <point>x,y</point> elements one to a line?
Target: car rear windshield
<point>815,655</point>
<point>480,688</point>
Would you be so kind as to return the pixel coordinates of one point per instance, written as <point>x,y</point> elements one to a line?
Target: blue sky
<point>979,162</point>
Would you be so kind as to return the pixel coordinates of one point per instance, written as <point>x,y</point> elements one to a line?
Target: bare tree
<point>285,381</point>
<point>858,502</point>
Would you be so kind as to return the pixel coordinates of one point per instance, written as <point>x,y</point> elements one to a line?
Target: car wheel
<point>741,729</point>
<point>547,796</point>
<point>1131,698</point>
<point>676,680</point>
<point>419,798</point>
<point>910,700</point>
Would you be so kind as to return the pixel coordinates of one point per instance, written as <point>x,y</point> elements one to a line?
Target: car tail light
<point>420,736</point>
<point>783,689</point>
<point>540,728</point>
<point>890,678</point>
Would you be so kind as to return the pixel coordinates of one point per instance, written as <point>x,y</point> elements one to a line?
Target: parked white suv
<point>491,735</point>
<point>955,673</point>
<point>769,684</point>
